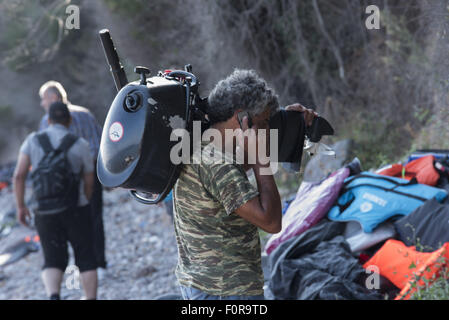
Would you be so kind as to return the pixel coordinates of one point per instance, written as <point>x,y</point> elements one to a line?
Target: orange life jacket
<point>401,265</point>
<point>422,169</point>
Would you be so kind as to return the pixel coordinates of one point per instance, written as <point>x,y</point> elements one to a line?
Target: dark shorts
<point>56,230</point>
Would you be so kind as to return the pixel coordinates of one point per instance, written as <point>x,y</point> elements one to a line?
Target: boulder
<point>321,165</point>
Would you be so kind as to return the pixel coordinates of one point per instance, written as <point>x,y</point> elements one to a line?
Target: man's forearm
<point>19,191</point>
<point>88,185</point>
<point>88,191</point>
<point>270,199</point>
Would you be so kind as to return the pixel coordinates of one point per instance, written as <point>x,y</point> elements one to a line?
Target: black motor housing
<point>135,143</point>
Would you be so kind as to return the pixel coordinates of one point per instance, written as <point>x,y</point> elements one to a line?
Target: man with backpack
<point>86,126</point>
<point>62,176</point>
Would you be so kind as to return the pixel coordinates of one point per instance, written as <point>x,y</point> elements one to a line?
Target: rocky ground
<point>141,252</point>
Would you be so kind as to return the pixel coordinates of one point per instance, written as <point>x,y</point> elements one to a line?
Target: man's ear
<point>235,118</point>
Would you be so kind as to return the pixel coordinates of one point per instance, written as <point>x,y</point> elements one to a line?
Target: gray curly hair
<point>243,89</point>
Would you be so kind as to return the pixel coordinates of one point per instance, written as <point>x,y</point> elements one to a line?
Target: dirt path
<point>141,251</point>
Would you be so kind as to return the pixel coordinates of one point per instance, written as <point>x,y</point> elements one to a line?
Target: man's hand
<point>23,215</point>
<point>309,114</point>
<point>246,137</point>
<point>249,141</point>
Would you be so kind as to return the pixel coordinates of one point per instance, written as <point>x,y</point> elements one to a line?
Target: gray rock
<point>320,166</point>
<point>145,271</point>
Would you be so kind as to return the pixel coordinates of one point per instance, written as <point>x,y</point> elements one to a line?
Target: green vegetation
<point>129,8</point>
<point>437,286</point>
<point>145,13</point>
<point>376,86</point>
<point>32,31</point>
<point>5,121</point>
<point>381,88</point>
<point>5,113</point>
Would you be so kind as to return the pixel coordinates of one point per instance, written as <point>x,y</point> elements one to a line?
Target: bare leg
<point>52,278</point>
<point>89,281</point>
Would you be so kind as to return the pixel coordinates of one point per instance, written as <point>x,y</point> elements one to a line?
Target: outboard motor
<point>135,143</point>
<point>135,146</point>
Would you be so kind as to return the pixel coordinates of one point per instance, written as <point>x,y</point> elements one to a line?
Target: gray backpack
<point>55,186</point>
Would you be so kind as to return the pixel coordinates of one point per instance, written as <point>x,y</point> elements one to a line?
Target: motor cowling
<point>135,144</point>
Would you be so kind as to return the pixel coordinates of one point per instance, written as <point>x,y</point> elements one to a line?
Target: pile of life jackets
<point>425,223</point>
<point>396,219</point>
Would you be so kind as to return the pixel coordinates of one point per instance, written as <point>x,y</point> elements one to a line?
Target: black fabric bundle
<point>318,265</point>
<point>427,226</point>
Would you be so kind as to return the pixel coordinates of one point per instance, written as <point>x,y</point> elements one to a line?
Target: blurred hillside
<point>386,89</point>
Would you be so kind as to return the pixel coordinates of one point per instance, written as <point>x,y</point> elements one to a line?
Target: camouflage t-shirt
<point>219,252</point>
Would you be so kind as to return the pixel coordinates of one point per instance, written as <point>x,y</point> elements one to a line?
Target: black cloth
<point>427,226</point>
<point>291,135</point>
<point>96,207</point>
<point>318,265</point>
<point>73,226</point>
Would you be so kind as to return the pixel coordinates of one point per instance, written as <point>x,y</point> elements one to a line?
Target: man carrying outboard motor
<point>217,210</point>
